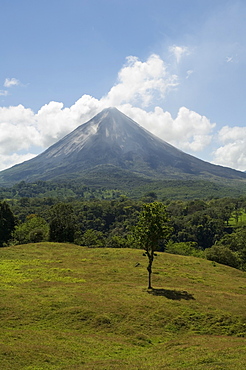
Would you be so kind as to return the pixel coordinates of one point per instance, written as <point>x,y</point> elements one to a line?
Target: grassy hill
<point>68,307</point>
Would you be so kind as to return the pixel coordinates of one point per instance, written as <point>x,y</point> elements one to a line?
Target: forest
<point>213,228</point>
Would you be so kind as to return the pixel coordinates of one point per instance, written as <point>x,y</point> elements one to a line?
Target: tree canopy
<point>152,227</point>
<point>62,225</point>
<point>7,223</point>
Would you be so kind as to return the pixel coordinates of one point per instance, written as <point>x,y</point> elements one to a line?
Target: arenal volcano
<point>113,140</point>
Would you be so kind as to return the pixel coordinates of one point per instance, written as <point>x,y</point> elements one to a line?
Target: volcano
<point>113,140</point>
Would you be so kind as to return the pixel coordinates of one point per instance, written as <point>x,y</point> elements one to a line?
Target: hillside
<point>117,183</point>
<point>111,142</point>
<point>67,307</point>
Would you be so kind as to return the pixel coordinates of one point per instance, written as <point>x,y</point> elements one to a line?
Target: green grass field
<point>65,307</point>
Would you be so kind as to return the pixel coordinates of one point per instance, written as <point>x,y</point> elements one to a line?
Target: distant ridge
<point>113,139</point>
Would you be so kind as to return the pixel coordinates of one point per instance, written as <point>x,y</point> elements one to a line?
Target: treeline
<point>116,185</point>
<point>215,228</point>
<point>59,190</point>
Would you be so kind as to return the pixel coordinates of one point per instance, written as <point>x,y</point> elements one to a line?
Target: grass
<point>241,221</point>
<point>68,307</point>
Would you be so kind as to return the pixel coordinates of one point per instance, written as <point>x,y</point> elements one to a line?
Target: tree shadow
<point>172,294</point>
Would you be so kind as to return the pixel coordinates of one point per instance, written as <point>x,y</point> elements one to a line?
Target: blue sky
<point>177,67</point>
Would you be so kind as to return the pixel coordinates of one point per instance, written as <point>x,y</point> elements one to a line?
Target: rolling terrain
<point>68,307</point>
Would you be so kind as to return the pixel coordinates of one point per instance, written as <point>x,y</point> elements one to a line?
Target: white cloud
<point>140,82</point>
<point>23,131</point>
<point>17,137</point>
<point>9,82</point>
<point>17,129</point>
<point>3,92</point>
<point>16,114</point>
<point>233,151</point>
<point>54,121</point>
<point>189,131</point>
<point>7,161</point>
<point>179,51</point>
<point>189,73</point>
<point>227,134</point>
<point>229,59</point>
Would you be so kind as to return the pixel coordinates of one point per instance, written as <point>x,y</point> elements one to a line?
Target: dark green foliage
<point>184,249</point>
<point>112,218</point>
<point>93,239</point>
<point>196,221</point>
<point>116,241</point>
<point>236,243</point>
<point>62,223</point>
<point>7,223</point>
<point>35,229</point>
<point>149,197</point>
<point>93,221</point>
<point>37,235</point>
<point>206,230</point>
<point>223,255</point>
<point>113,183</point>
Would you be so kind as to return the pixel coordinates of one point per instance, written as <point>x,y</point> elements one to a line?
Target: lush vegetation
<point>112,185</point>
<point>214,228</point>
<point>69,307</point>
<point>7,223</point>
<point>84,305</point>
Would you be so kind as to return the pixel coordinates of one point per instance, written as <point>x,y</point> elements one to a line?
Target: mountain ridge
<point>111,138</point>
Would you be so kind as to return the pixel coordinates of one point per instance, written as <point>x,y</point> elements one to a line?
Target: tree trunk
<point>149,268</point>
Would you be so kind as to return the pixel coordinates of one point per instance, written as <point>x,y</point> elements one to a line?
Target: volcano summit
<point>113,140</point>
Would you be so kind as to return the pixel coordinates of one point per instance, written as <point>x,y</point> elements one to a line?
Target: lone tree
<point>152,227</point>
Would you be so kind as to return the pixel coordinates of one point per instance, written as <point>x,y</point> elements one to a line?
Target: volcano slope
<point>111,141</point>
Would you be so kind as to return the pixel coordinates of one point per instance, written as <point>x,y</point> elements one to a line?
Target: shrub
<point>184,249</point>
<point>34,229</point>
<point>93,239</point>
<point>38,235</point>
<point>223,255</point>
<point>116,241</point>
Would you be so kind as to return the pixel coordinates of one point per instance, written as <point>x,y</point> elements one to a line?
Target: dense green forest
<point>214,228</point>
<point>115,184</point>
